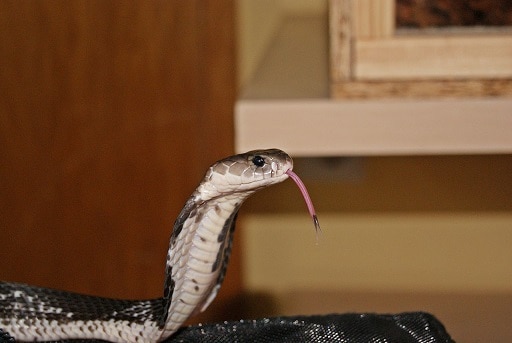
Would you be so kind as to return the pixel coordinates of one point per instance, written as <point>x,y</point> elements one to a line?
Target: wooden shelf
<point>287,105</point>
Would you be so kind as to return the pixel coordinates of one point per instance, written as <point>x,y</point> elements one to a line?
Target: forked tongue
<point>305,194</point>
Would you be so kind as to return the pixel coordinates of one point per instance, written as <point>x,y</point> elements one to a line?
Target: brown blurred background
<point>110,113</point>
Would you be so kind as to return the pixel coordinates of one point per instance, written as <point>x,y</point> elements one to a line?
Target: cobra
<point>196,263</point>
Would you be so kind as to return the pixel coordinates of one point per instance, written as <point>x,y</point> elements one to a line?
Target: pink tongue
<point>305,194</point>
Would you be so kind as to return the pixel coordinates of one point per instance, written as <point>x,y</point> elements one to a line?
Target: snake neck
<point>198,255</point>
<point>196,264</point>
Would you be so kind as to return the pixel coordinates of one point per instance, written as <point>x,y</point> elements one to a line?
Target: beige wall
<point>423,223</point>
<point>420,252</point>
<point>402,233</point>
<point>258,21</point>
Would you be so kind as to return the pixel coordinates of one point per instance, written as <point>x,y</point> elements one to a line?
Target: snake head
<point>246,173</point>
<point>242,175</point>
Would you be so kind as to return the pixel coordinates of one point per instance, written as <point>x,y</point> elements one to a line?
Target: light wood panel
<point>110,113</point>
<point>431,56</point>
<point>425,89</point>
<point>376,127</point>
<point>367,53</point>
<point>371,19</point>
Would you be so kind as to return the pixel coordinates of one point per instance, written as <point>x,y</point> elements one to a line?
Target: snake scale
<point>196,262</point>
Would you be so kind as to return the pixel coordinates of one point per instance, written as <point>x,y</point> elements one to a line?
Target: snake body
<point>197,258</point>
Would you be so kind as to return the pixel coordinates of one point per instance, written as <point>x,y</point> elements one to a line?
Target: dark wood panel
<point>110,113</point>
<point>451,183</point>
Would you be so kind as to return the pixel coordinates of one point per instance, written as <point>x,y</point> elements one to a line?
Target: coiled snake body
<point>197,258</point>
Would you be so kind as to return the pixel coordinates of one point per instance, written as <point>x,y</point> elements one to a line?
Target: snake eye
<point>258,161</point>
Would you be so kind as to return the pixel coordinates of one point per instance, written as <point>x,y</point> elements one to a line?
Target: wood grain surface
<point>110,113</point>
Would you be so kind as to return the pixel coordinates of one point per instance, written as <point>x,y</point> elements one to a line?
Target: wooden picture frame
<point>371,58</point>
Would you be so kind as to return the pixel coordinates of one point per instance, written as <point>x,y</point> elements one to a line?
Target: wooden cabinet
<point>110,114</point>
<point>345,83</point>
<point>370,57</point>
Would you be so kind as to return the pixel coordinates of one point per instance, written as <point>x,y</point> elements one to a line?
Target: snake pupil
<point>258,161</point>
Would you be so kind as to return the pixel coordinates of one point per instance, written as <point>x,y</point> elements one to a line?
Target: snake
<point>197,258</point>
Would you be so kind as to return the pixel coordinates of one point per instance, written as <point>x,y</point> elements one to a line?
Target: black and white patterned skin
<point>197,258</point>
